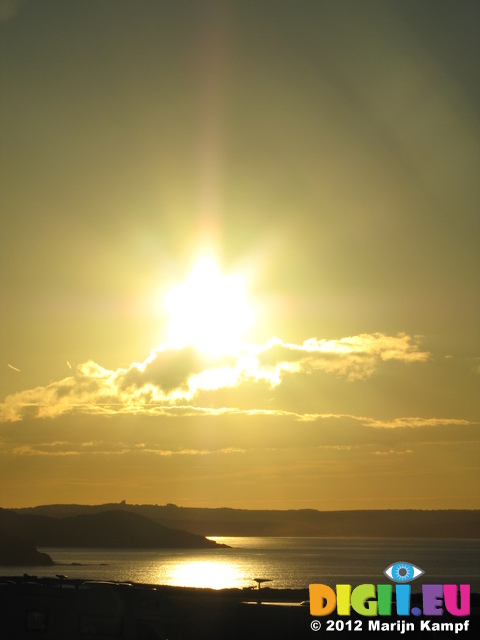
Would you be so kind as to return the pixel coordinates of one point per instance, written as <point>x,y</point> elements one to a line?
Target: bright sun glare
<point>214,574</point>
<point>209,311</point>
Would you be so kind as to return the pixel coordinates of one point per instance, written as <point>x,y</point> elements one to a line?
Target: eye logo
<point>403,572</point>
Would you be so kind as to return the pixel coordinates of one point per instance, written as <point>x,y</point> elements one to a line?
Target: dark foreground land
<point>62,609</point>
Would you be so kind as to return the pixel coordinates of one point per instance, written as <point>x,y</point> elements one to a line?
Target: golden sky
<point>239,253</point>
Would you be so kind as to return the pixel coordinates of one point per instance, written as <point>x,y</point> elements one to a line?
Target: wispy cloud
<point>412,422</point>
<point>170,380</point>
<point>59,449</point>
<point>391,452</point>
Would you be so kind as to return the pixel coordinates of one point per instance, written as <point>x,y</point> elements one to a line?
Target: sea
<point>283,562</point>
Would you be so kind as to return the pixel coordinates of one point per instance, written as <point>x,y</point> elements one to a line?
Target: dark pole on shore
<point>259,582</point>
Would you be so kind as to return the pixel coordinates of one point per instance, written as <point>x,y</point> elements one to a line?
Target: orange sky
<point>324,156</point>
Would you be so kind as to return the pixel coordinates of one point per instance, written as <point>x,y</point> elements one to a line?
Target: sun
<point>209,311</point>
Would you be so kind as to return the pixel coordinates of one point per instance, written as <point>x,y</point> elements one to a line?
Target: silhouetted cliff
<point>111,529</point>
<point>19,552</point>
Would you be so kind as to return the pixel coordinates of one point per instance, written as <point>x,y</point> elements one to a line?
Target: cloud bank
<point>171,379</point>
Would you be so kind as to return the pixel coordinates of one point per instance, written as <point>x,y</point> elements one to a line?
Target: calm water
<point>288,562</point>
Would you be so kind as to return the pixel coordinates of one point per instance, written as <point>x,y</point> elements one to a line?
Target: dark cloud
<point>170,369</point>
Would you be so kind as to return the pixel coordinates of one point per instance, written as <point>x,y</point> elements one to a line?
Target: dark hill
<point>112,529</point>
<point>407,523</point>
<point>19,552</point>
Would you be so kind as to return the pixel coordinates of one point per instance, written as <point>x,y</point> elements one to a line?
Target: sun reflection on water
<point>207,574</point>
